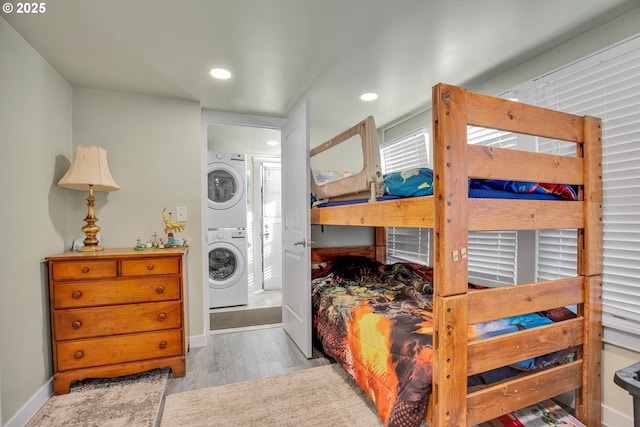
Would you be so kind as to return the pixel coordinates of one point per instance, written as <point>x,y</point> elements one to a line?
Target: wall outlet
<point>181,214</point>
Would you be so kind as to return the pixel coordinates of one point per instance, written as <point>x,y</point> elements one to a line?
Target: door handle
<point>304,243</point>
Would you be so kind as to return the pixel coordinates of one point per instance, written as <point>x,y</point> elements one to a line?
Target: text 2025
<point>31,7</point>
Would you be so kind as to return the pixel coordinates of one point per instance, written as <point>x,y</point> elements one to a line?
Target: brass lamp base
<point>90,249</point>
<point>91,243</point>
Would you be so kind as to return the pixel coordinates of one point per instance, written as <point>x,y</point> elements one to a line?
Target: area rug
<point>321,396</point>
<point>245,317</point>
<point>133,400</point>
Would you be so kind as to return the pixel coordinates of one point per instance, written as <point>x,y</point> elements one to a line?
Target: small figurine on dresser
<point>139,245</point>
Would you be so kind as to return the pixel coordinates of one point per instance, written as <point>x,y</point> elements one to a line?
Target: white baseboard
<point>32,406</point>
<point>197,341</point>
<point>613,418</point>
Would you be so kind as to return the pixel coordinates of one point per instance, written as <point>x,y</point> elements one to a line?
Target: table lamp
<point>89,171</point>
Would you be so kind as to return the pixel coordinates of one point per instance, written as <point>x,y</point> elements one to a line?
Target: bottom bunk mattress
<point>376,321</point>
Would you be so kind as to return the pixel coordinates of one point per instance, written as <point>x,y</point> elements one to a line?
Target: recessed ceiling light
<point>272,142</point>
<point>220,73</point>
<point>369,96</point>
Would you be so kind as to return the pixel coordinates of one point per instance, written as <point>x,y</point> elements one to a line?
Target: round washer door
<point>226,265</point>
<point>224,186</point>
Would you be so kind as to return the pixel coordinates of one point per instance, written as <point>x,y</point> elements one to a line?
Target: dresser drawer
<point>150,266</point>
<point>124,348</point>
<point>80,270</point>
<point>123,291</point>
<point>124,319</point>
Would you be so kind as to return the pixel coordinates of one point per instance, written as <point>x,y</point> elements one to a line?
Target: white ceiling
<point>284,51</point>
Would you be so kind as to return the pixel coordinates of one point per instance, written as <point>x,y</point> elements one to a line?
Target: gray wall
<point>36,145</point>
<point>154,152</point>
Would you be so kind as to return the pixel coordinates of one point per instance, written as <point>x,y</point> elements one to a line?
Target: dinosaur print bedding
<point>375,320</point>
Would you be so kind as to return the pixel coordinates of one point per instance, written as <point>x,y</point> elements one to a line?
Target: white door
<point>296,284</point>
<point>271,226</point>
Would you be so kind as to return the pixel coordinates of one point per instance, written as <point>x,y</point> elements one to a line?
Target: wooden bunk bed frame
<point>453,215</point>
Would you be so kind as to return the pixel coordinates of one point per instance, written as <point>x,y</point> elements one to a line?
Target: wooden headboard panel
<point>376,251</point>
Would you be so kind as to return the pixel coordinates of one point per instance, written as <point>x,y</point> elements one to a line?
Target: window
<point>606,85</point>
<point>492,256</point>
<point>407,152</point>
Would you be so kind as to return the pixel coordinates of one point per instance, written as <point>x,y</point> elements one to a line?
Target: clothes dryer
<point>227,255</point>
<point>226,190</point>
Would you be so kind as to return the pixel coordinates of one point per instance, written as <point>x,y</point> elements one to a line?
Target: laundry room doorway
<point>253,138</point>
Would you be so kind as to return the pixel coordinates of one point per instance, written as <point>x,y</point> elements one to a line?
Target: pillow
<point>409,183</point>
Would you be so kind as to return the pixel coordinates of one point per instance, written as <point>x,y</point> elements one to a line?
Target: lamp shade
<point>89,167</point>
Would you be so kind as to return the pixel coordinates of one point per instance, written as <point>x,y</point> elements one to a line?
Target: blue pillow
<point>409,183</point>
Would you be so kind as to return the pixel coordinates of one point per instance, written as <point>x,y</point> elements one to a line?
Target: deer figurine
<point>169,225</point>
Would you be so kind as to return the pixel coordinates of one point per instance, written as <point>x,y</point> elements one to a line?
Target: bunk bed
<point>456,306</point>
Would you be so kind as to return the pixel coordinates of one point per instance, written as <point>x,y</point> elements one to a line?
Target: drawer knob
<point>160,290</point>
<point>150,267</point>
<point>76,324</point>
<point>78,355</point>
<point>85,269</point>
<point>162,317</point>
<point>162,345</point>
<point>76,295</point>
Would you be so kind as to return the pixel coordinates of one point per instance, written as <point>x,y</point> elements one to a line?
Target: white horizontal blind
<point>606,85</point>
<point>408,244</point>
<point>492,258</point>
<point>558,249</point>
<point>407,152</point>
<point>492,255</point>
<point>491,137</point>
<point>557,254</point>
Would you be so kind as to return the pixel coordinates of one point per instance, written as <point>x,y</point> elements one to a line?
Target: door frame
<point>210,117</point>
<point>258,162</point>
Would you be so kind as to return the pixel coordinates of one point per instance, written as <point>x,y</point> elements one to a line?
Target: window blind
<point>492,256</point>
<point>606,85</point>
<point>408,151</point>
<point>408,244</point>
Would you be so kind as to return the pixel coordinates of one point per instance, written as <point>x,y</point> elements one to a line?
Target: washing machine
<point>226,190</point>
<point>227,255</point>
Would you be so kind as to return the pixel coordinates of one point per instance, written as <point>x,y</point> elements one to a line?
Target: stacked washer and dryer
<point>227,229</point>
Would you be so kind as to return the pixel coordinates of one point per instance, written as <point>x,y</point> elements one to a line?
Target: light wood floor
<point>240,356</point>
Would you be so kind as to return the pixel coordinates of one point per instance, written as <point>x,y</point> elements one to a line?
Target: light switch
<point>181,214</point>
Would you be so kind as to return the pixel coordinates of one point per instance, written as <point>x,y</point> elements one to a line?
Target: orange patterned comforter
<point>376,321</point>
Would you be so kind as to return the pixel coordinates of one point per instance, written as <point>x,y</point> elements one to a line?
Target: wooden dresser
<point>116,312</point>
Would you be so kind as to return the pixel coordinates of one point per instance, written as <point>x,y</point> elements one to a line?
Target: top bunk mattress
<point>419,182</point>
